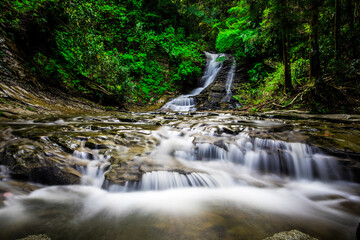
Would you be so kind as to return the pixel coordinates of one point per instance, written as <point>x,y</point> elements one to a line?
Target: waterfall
<point>229,81</point>
<point>187,102</point>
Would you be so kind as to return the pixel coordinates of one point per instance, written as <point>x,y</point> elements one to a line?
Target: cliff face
<point>22,95</point>
<point>214,97</point>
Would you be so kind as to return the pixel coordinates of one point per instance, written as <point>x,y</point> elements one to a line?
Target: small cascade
<point>229,81</point>
<point>182,103</point>
<point>297,160</point>
<point>83,155</point>
<point>225,163</point>
<point>208,152</point>
<point>162,180</point>
<point>93,172</point>
<point>187,102</point>
<point>216,161</point>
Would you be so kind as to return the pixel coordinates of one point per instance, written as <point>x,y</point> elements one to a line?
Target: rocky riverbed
<point>279,170</point>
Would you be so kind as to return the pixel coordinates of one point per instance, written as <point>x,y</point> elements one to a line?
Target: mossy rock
<point>291,235</point>
<point>36,237</point>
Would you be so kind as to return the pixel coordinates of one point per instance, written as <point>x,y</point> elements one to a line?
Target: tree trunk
<point>285,48</point>
<point>286,59</point>
<point>350,9</point>
<point>314,54</point>
<point>337,28</point>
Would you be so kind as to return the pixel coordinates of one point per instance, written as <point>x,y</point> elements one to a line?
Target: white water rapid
<point>187,102</point>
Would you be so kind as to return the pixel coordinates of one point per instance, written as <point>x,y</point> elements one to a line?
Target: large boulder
<point>30,162</point>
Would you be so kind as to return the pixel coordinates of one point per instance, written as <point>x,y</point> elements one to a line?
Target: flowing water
<point>229,82</point>
<point>188,175</point>
<point>195,176</point>
<point>187,102</point>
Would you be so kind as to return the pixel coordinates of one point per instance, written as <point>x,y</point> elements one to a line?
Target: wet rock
<point>227,131</point>
<point>29,162</point>
<point>291,235</point>
<point>83,153</point>
<point>68,143</point>
<point>119,174</point>
<point>100,128</point>
<point>18,187</point>
<point>129,120</point>
<point>98,144</point>
<point>299,115</point>
<point>221,144</point>
<point>36,237</point>
<point>80,138</point>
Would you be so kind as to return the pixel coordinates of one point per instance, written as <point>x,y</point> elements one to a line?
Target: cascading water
<point>162,180</point>
<point>229,82</point>
<point>204,176</point>
<point>187,102</point>
<point>93,173</point>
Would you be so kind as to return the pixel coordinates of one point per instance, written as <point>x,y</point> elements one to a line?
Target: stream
<point>163,175</point>
<point>181,174</point>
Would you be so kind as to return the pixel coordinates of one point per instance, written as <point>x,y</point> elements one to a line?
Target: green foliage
<point>29,108</point>
<point>110,108</point>
<point>108,50</point>
<point>257,73</point>
<point>299,71</point>
<point>320,108</point>
<point>262,35</point>
<point>120,52</point>
<point>253,110</point>
<point>238,34</point>
<point>221,59</point>
<point>273,82</point>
